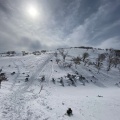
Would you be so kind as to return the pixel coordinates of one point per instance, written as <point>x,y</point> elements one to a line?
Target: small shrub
<point>53,80</point>
<point>26,79</point>
<point>43,78</point>
<point>61,81</point>
<point>2,78</point>
<point>12,73</point>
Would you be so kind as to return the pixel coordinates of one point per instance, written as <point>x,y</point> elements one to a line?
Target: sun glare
<point>33,11</point>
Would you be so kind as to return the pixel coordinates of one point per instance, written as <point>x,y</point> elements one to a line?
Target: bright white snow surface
<point>20,100</point>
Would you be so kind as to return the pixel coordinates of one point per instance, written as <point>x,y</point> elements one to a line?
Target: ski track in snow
<point>17,75</point>
<point>16,99</point>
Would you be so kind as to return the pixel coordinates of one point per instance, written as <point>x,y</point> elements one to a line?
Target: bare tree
<point>101,57</point>
<point>76,61</point>
<point>57,60</point>
<point>110,60</point>
<point>63,54</point>
<point>116,61</point>
<point>86,61</point>
<point>118,67</point>
<point>56,54</point>
<point>89,63</point>
<point>98,64</point>
<point>24,53</point>
<point>85,55</point>
<point>0,82</point>
<point>99,60</point>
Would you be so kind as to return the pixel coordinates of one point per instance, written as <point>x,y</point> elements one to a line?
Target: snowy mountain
<point>43,86</point>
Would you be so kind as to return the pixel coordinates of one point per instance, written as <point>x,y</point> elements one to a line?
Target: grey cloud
<point>3,6</point>
<point>111,43</point>
<point>63,23</point>
<point>30,44</point>
<point>95,30</point>
<point>6,44</point>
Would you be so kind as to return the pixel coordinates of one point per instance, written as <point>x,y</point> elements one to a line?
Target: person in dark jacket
<point>69,112</point>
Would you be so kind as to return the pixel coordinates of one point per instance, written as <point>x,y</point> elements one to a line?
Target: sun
<point>32,11</point>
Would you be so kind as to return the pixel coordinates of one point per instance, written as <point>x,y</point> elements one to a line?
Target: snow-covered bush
<point>65,64</point>
<point>72,79</point>
<point>82,79</point>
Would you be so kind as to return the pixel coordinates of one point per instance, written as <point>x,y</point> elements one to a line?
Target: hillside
<point>45,85</point>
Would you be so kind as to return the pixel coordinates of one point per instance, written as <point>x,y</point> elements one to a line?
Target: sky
<point>49,24</point>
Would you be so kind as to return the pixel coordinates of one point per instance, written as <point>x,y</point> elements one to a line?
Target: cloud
<point>98,27</point>
<point>111,43</point>
<point>29,44</point>
<point>3,6</point>
<point>62,23</point>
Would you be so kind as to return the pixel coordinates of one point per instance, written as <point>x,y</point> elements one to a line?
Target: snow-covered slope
<point>97,97</point>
